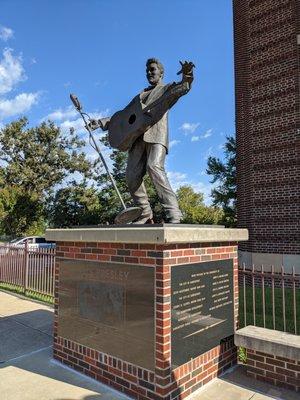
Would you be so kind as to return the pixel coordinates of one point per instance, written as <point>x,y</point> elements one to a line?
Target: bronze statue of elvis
<point>148,151</point>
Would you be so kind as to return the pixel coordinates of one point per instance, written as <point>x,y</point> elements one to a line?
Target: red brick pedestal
<point>156,250</point>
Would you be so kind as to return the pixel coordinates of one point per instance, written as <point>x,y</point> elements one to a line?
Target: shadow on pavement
<point>239,378</point>
<point>24,333</point>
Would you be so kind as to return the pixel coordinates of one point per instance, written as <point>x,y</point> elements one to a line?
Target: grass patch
<point>278,294</point>
<point>12,288</point>
<point>242,355</point>
<point>29,293</point>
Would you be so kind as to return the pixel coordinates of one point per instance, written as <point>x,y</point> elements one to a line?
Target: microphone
<point>75,101</point>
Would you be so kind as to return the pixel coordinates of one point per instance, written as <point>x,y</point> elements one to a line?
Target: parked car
<point>34,242</point>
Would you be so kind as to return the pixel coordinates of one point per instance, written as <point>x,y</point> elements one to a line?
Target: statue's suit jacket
<point>149,98</point>
<point>156,101</point>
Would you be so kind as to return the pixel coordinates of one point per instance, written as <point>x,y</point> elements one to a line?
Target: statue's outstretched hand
<point>101,123</point>
<point>93,124</point>
<point>186,69</point>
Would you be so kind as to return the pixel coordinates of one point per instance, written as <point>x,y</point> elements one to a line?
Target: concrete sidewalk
<point>28,372</point>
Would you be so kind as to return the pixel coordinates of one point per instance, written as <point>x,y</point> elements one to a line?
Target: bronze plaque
<point>108,307</point>
<point>202,308</point>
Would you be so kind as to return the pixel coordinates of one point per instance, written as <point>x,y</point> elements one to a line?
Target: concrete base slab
<point>220,389</point>
<point>37,377</point>
<point>159,234</point>
<point>261,397</point>
<point>236,385</point>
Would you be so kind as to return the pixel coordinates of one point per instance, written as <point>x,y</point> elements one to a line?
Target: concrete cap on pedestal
<point>158,234</point>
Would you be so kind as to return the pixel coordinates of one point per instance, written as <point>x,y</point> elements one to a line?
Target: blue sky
<point>98,48</point>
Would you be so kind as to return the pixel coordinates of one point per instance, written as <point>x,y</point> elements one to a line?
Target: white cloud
<point>176,179</point>
<point>61,115</point>
<point>173,143</point>
<point>205,189</point>
<point>6,33</point>
<point>93,155</point>
<point>20,104</point>
<point>11,71</point>
<point>178,176</point>
<point>76,123</point>
<point>207,134</point>
<point>189,127</point>
<point>11,74</point>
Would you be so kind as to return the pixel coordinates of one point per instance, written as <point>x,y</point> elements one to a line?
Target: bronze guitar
<point>127,125</point>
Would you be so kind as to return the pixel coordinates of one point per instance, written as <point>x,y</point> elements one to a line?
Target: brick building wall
<point>267,59</point>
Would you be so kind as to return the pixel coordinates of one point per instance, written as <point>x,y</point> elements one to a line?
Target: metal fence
<point>27,269</point>
<point>269,298</point>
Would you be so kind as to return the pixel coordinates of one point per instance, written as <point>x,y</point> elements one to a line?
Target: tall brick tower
<point>267,59</point>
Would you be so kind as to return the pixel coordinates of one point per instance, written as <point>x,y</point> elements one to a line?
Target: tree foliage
<point>193,208</point>
<point>75,205</point>
<point>33,162</point>
<point>21,212</point>
<point>41,157</point>
<point>224,174</point>
<point>108,198</point>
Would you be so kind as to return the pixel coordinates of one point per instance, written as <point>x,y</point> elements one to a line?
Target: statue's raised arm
<point>172,92</point>
<point>187,71</point>
<point>147,109</point>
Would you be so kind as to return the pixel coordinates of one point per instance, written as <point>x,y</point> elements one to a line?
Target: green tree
<point>34,161</point>
<point>39,158</point>
<point>21,212</point>
<point>158,212</point>
<point>193,208</point>
<point>74,205</point>
<point>224,174</point>
<point>108,198</point>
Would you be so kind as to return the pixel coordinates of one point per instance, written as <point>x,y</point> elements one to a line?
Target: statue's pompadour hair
<point>157,62</point>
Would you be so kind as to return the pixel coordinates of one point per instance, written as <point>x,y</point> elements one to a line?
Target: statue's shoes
<point>146,219</point>
<point>173,221</point>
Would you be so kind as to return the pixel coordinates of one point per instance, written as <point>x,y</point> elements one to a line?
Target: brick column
<point>163,381</point>
<point>267,67</point>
